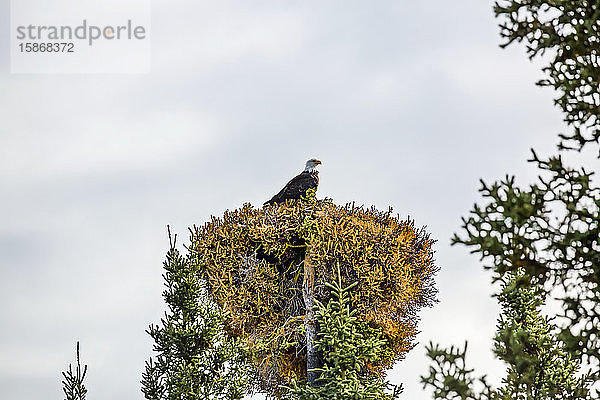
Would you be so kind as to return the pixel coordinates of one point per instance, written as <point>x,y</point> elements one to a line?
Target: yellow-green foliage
<point>253,259</point>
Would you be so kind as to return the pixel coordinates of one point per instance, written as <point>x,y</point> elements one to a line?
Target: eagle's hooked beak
<point>318,162</point>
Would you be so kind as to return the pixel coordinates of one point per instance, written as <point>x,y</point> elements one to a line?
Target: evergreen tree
<point>542,240</point>
<point>538,367</point>
<point>450,378</point>
<point>560,227</point>
<point>73,386</point>
<point>567,32</point>
<point>196,360</point>
<point>349,348</point>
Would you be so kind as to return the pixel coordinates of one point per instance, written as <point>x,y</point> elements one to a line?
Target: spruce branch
<point>73,386</point>
<point>195,359</point>
<point>541,241</point>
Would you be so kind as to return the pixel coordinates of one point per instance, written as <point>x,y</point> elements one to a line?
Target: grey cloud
<point>408,105</point>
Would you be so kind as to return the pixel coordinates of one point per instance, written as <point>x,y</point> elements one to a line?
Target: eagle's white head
<point>311,165</point>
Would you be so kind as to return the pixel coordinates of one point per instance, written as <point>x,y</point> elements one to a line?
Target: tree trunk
<point>312,358</point>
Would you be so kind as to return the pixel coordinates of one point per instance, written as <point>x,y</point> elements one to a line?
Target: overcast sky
<point>408,104</point>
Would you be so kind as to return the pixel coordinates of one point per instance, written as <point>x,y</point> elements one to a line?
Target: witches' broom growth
<point>266,266</point>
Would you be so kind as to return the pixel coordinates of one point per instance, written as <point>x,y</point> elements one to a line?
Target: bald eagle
<point>297,187</point>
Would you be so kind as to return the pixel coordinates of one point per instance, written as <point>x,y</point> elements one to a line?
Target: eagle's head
<point>311,165</point>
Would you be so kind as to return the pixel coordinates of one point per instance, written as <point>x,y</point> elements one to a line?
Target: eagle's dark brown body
<point>297,187</point>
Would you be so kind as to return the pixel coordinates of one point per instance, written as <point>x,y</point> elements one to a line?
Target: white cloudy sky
<point>408,104</point>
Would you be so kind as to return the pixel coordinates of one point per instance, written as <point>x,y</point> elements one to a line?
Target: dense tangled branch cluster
<point>253,259</point>
<point>570,31</point>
